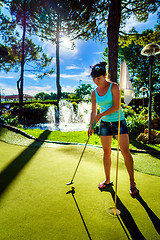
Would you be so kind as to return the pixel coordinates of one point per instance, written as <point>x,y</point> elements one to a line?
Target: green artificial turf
<point>34,204</point>
<point>80,137</point>
<point>144,162</point>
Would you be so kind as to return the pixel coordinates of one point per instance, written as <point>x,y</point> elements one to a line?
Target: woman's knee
<point>125,151</point>
<point>107,152</point>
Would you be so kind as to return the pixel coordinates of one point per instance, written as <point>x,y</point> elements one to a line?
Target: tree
<point>52,96</point>
<point>130,51</point>
<point>22,47</point>
<point>7,29</point>
<point>3,55</point>
<point>94,15</point>
<point>3,52</point>
<point>83,90</point>
<point>114,19</point>
<point>138,65</point>
<point>40,95</point>
<point>84,19</point>
<point>88,19</point>
<point>54,20</point>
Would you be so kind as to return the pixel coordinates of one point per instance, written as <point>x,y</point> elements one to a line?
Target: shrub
<point>136,124</point>
<point>156,103</point>
<point>7,118</point>
<point>36,112</point>
<point>136,120</point>
<point>128,111</point>
<point>32,113</point>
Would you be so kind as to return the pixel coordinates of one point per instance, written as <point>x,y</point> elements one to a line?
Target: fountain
<point>70,118</point>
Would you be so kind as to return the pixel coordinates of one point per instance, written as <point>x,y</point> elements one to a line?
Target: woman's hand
<point>90,130</point>
<point>98,117</point>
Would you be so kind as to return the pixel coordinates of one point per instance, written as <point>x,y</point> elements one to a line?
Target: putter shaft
<point>71,182</point>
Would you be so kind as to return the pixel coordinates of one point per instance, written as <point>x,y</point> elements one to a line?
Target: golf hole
<point>114,212</point>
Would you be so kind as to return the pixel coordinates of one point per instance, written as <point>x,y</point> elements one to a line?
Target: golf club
<point>71,191</point>
<point>71,182</point>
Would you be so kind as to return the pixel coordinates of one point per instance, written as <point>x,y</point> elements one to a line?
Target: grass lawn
<point>146,163</point>
<point>34,203</point>
<point>81,136</point>
<point>35,206</point>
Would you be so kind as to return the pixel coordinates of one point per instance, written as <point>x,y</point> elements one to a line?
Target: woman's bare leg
<point>106,144</point>
<point>124,146</point>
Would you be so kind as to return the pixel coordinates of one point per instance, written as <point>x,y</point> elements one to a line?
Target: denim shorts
<point>111,128</point>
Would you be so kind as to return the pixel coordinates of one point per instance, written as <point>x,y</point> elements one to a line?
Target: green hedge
<point>138,102</point>
<point>156,102</point>
<point>16,103</point>
<point>32,113</point>
<point>137,120</point>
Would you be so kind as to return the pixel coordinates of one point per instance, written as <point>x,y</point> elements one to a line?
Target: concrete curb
<point>17,130</point>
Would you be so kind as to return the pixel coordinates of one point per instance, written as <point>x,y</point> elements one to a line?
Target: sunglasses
<point>97,68</point>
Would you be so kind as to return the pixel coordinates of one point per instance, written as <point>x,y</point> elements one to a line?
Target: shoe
<point>134,191</point>
<point>104,185</point>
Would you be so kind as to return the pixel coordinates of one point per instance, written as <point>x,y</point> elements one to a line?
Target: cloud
<point>36,89</point>
<point>97,53</point>
<point>11,90</point>
<point>68,88</point>
<point>8,89</point>
<point>3,76</point>
<point>50,50</point>
<point>72,67</point>
<point>83,75</point>
<point>141,26</point>
<point>64,75</point>
<point>32,76</point>
<point>76,77</point>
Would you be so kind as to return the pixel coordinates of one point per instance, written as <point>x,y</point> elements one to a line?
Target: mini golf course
<point>36,203</point>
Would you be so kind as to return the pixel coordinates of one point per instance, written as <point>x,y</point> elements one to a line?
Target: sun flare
<point>65,42</point>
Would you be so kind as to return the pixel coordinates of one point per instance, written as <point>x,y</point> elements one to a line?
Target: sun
<point>66,42</point>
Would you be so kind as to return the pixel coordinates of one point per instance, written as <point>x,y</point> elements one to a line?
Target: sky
<point>74,64</point>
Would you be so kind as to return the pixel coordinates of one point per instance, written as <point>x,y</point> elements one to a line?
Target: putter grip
<point>94,124</point>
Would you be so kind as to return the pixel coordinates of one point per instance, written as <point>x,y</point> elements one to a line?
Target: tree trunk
<point>58,70</point>
<point>58,62</point>
<point>0,103</point>
<point>21,80</point>
<point>114,18</point>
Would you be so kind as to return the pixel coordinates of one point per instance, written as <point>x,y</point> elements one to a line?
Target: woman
<point>106,95</point>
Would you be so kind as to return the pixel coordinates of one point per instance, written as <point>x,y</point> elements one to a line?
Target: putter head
<point>71,191</point>
<point>69,183</point>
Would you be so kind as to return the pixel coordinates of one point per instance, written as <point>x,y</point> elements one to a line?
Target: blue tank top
<point>105,102</point>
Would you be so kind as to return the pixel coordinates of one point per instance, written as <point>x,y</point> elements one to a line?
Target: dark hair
<point>98,69</point>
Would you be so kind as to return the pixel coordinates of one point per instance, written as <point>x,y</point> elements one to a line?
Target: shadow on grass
<point>141,146</point>
<point>154,219</point>
<point>13,169</point>
<point>73,192</point>
<point>1,129</point>
<point>125,218</point>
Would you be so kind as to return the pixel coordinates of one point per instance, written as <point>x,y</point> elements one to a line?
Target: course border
<point>17,130</point>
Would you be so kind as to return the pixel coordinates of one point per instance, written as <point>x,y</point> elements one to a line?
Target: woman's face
<point>99,80</point>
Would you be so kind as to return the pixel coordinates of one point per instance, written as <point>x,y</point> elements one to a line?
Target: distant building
<point>12,98</point>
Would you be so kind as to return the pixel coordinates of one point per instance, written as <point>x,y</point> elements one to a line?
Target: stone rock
<point>153,132</point>
<point>157,140</point>
<point>144,136</point>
